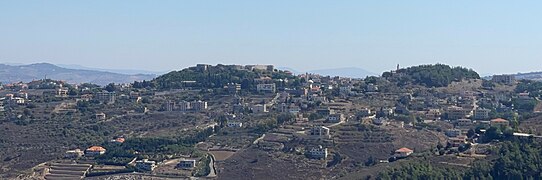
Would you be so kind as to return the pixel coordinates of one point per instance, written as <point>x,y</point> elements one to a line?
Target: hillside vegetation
<point>216,77</point>
<point>515,160</point>
<point>438,75</point>
<point>27,73</point>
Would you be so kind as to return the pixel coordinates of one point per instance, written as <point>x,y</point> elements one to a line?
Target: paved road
<point>212,173</point>
<point>336,124</point>
<point>259,139</point>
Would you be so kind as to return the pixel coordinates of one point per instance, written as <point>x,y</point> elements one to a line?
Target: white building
<point>146,165</point>
<point>463,122</point>
<point>481,114</point>
<point>320,131</point>
<point>134,95</point>
<point>184,106</point>
<point>63,91</point>
<point>187,164</point>
<point>504,79</point>
<point>262,67</point>
<point>100,116</point>
<point>335,118</point>
<point>199,106</point>
<point>455,113</point>
<point>235,124</point>
<point>364,112</point>
<point>318,152</point>
<point>170,105</point>
<point>72,154</point>
<point>380,121</point>
<point>108,97</point>
<point>372,88</point>
<point>259,108</point>
<point>433,114</point>
<point>266,87</point>
<point>345,89</point>
<point>18,100</point>
<point>453,132</point>
<point>294,109</point>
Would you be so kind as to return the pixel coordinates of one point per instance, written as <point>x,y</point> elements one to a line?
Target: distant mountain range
<point>352,72</point>
<point>27,73</point>
<point>118,71</point>
<point>10,73</point>
<point>536,76</point>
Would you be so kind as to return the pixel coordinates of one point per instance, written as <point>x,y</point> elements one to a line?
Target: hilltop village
<point>257,122</point>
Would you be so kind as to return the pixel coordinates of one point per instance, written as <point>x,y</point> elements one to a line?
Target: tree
<point>285,117</point>
<point>439,145</point>
<point>487,84</point>
<point>371,161</point>
<point>437,75</point>
<point>146,100</point>
<point>111,87</point>
<point>314,116</point>
<point>471,133</point>
<point>493,133</point>
<point>73,92</point>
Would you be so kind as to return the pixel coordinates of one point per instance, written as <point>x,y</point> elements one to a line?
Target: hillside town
<point>237,121</point>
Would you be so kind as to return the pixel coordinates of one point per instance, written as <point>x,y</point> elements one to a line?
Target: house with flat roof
<point>266,88</point>
<point>145,165</point>
<point>187,164</point>
<point>235,124</point>
<point>320,131</point>
<point>481,114</point>
<point>72,154</point>
<point>100,116</point>
<point>259,108</point>
<point>335,118</point>
<point>504,79</point>
<point>318,152</point>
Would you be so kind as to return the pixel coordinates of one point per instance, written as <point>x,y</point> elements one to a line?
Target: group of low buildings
<point>318,152</point>
<point>458,136</point>
<point>142,165</point>
<point>92,151</point>
<point>186,106</point>
<point>148,165</point>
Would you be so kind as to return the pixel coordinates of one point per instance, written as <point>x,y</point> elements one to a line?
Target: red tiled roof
<point>499,120</point>
<point>404,150</point>
<point>96,149</point>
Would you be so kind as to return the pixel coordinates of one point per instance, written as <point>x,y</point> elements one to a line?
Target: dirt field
<point>253,163</point>
<point>532,125</point>
<point>222,155</point>
<point>132,177</point>
<point>373,171</point>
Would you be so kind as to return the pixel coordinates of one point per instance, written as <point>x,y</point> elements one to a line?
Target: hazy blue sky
<point>489,36</point>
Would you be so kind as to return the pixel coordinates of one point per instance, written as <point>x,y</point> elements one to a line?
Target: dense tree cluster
<point>216,77</point>
<point>524,105</point>
<point>420,170</point>
<point>534,88</point>
<point>516,160</point>
<point>143,84</point>
<point>519,159</point>
<point>120,154</point>
<point>438,75</point>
